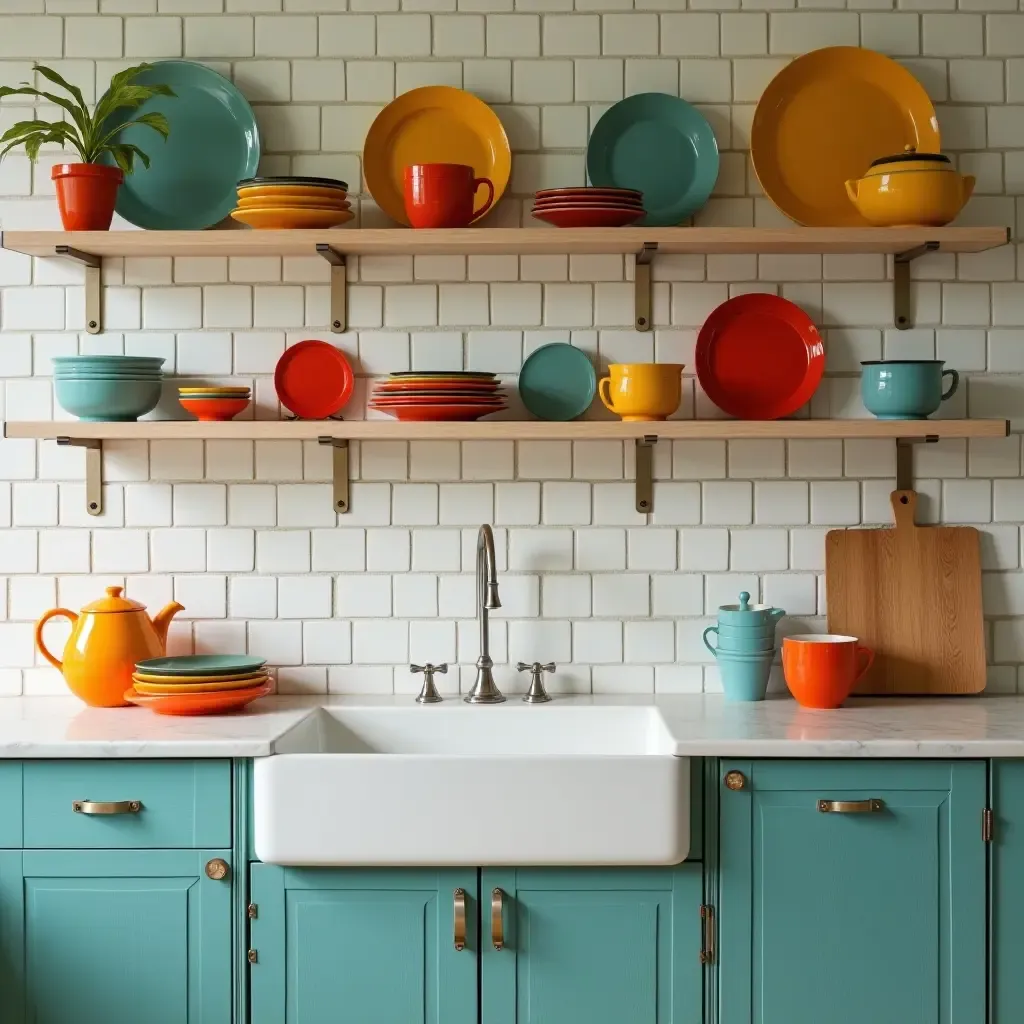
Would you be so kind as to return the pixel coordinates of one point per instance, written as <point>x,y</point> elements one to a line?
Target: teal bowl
<point>108,375</point>
<point>108,362</point>
<point>108,400</point>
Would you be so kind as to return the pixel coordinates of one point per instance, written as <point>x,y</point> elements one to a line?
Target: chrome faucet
<point>484,691</point>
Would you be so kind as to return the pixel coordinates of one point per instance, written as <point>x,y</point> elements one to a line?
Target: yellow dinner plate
<point>824,118</point>
<point>277,202</point>
<point>214,391</point>
<point>435,124</point>
<point>276,192</point>
<point>285,217</point>
<point>148,677</point>
<point>180,688</point>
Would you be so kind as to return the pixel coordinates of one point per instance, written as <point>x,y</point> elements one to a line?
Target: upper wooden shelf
<point>508,241</point>
<point>510,430</point>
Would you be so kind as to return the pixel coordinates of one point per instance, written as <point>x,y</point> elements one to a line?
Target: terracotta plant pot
<point>86,195</point>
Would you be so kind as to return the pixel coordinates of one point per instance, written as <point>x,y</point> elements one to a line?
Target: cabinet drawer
<point>180,804</point>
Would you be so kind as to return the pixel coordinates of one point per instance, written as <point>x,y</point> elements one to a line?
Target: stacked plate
<point>107,388</point>
<point>214,403</point>
<point>290,202</point>
<point>606,207</point>
<point>200,684</point>
<point>438,395</point>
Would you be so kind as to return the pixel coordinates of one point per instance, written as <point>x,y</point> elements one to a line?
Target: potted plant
<point>86,191</point>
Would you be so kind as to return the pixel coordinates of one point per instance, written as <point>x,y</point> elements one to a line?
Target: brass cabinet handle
<point>707,916</point>
<point>851,806</point>
<point>497,919</point>
<point>735,780</point>
<point>217,869</point>
<point>106,807</point>
<point>460,919</point>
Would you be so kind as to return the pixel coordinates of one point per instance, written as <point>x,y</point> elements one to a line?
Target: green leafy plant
<point>92,134</point>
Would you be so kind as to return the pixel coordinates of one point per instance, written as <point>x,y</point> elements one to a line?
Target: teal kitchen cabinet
<point>836,909</point>
<point>374,946</point>
<point>1007,892</point>
<point>591,946</point>
<point>114,937</point>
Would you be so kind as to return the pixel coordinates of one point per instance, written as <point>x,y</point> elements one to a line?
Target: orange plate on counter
<point>192,689</point>
<point>822,120</point>
<point>199,703</point>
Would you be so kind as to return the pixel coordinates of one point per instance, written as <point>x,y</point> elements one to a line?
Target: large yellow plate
<point>435,124</point>
<point>824,118</point>
<point>149,677</point>
<point>154,690</point>
<point>282,217</point>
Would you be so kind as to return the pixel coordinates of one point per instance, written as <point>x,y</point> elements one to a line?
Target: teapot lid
<point>114,602</point>
<point>910,154</point>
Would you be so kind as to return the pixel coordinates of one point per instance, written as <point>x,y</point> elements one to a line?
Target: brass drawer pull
<point>217,869</point>
<point>106,807</point>
<point>851,806</point>
<point>460,919</point>
<point>497,921</point>
<point>707,916</point>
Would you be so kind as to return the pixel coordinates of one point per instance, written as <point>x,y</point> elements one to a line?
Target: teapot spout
<point>162,620</point>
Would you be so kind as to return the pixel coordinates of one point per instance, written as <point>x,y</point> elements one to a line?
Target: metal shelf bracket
<point>339,287</point>
<point>901,282</point>
<point>93,289</point>
<point>642,287</point>
<point>905,459</point>
<point>645,472</point>
<point>93,471</point>
<point>340,469</point>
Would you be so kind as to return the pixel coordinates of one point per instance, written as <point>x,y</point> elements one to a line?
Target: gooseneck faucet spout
<point>484,691</point>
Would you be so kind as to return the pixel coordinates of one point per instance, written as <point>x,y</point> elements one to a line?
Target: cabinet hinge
<point>988,826</point>
<point>252,956</point>
<point>253,911</point>
<point>707,917</point>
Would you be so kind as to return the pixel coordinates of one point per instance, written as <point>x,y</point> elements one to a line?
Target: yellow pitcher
<point>107,639</point>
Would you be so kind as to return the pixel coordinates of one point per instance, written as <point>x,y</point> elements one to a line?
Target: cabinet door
<point>372,946</point>
<point>852,915</point>
<point>602,946</point>
<point>114,937</point>
<point>1007,893</point>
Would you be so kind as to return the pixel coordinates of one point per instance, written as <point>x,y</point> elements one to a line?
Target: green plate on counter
<point>201,665</point>
<point>557,382</point>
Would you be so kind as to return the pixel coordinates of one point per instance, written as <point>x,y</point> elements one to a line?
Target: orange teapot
<point>107,639</point>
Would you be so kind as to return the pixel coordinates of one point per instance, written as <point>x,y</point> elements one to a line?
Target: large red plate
<point>588,216</point>
<point>759,357</point>
<point>313,380</point>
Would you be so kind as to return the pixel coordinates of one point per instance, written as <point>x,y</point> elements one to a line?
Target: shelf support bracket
<point>340,474</point>
<point>645,472</point>
<point>93,471</point>
<point>901,282</point>
<point>642,286</point>
<point>339,287</point>
<point>905,459</point>
<point>93,290</point>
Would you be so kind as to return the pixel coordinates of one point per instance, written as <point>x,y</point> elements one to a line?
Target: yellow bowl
<point>642,391</point>
<point>154,690</point>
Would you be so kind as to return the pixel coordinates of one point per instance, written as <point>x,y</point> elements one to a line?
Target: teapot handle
<point>67,613</point>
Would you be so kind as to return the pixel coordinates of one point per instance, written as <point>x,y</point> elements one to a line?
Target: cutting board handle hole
<point>904,499</point>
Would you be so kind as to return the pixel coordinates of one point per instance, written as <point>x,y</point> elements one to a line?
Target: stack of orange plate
<point>290,202</point>
<point>205,684</point>
<point>423,395</point>
<point>604,207</point>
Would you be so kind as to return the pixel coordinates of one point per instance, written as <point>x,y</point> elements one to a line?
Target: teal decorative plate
<point>557,382</point>
<point>193,176</point>
<point>661,146</point>
<point>201,665</point>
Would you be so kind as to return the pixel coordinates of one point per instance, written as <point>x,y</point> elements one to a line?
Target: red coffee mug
<point>821,670</point>
<point>441,195</point>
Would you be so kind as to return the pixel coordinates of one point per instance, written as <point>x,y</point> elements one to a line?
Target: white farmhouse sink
<point>460,785</point>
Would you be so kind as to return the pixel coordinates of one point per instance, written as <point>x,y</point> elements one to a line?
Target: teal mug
<point>745,678</point>
<point>747,614</point>
<point>905,389</point>
<point>766,629</point>
<point>738,645</point>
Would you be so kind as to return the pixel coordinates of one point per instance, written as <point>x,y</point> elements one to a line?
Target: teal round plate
<point>201,665</point>
<point>659,145</point>
<point>557,382</point>
<point>193,176</point>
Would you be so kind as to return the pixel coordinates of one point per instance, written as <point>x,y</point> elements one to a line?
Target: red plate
<point>588,216</point>
<point>609,204</point>
<point>313,380</point>
<point>436,400</point>
<point>606,192</point>
<point>437,413</point>
<point>398,388</point>
<point>759,357</point>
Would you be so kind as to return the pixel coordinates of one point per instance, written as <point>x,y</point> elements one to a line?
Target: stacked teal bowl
<point>746,647</point>
<point>108,388</point>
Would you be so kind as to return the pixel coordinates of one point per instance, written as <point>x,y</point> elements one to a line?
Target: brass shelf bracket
<point>905,459</point>
<point>642,286</point>
<point>93,471</point>
<point>645,472</point>
<point>339,287</point>
<point>340,472</point>
<point>93,287</point>
<point>901,282</point>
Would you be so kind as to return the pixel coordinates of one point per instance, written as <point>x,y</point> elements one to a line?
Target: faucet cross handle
<point>536,694</point>
<point>429,694</point>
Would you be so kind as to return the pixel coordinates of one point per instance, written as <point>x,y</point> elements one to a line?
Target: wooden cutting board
<point>913,595</point>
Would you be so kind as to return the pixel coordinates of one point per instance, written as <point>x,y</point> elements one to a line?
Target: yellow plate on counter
<point>824,118</point>
<point>153,689</point>
<point>292,217</point>
<point>214,391</point>
<point>149,677</point>
<point>436,124</point>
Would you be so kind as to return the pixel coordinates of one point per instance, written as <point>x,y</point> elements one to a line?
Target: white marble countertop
<point>700,725</point>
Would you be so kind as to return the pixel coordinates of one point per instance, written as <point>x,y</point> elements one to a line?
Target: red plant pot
<point>86,195</point>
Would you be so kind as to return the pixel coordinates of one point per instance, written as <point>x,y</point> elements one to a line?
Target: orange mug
<point>441,195</point>
<point>821,670</point>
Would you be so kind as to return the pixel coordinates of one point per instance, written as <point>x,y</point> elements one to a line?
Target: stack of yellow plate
<point>292,202</point>
<point>201,684</point>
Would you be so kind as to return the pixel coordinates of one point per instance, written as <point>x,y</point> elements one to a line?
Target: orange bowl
<point>198,704</point>
<point>821,670</point>
<point>211,409</point>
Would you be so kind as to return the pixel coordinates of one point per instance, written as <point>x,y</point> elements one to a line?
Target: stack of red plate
<point>604,207</point>
<point>438,395</point>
